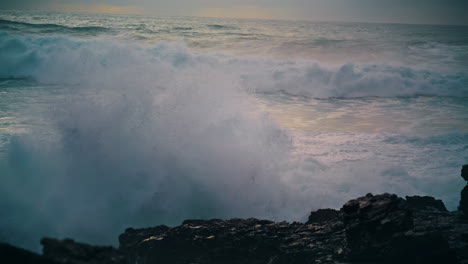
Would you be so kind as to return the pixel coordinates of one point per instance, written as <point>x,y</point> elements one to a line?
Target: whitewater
<point>112,121</point>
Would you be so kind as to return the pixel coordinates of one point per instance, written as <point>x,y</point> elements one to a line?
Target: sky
<point>395,11</point>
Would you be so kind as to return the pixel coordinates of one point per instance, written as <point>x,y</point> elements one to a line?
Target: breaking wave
<point>141,137</point>
<point>44,59</point>
<point>146,135</point>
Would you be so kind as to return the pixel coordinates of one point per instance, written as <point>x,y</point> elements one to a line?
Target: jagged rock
<point>132,237</point>
<point>323,215</point>
<point>383,229</point>
<point>426,203</point>
<point>388,234</point>
<point>235,241</point>
<point>448,225</point>
<point>371,221</point>
<point>68,251</point>
<point>464,172</point>
<point>13,255</point>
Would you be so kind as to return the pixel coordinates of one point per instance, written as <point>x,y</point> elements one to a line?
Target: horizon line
<point>237,18</point>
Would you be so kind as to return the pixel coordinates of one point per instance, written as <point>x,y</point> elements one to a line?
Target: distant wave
<point>182,28</point>
<point>49,28</point>
<point>216,26</point>
<point>67,60</point>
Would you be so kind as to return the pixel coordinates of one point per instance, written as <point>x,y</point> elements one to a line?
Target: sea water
<point>112,121</point>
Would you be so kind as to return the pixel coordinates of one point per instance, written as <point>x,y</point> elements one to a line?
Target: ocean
<point>116,121</point>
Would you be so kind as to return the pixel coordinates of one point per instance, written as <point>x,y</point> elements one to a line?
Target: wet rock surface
<point>370,229</point>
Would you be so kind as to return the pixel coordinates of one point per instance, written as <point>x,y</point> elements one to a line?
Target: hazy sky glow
<point>399,11</point>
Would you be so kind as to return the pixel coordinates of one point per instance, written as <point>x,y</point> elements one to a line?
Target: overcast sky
<point>399,11</point>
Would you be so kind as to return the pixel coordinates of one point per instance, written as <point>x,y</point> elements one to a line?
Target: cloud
<point>398,11</point>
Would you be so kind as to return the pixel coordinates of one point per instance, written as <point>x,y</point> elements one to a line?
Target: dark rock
<point>464,172</point>
<point>70,252</point>
<point>323,215</point>
<point>13,255</point>
<point>425,248</point>
<point>425,203</point>
<point>236,241</point>
<point>371,222</point>
<point>378,229</point>
<point>383,229</point>
<point>464,201</point>
<point>132,237</point>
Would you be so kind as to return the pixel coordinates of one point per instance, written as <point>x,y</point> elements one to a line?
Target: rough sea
<point>112,121</point>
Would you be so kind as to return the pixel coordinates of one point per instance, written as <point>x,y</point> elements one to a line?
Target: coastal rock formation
<point>371,222</point>
<point>384,229</point>
<point>375,229</point>
<point>235,241</point>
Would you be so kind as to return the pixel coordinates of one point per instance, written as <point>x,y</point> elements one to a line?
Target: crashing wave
<point>64,60</point>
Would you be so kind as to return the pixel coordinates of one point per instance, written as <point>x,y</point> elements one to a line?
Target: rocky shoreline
<point>371,229</point>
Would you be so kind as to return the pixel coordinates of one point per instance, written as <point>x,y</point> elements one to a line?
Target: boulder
<point>371,222</point>
<point>381,229</point>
